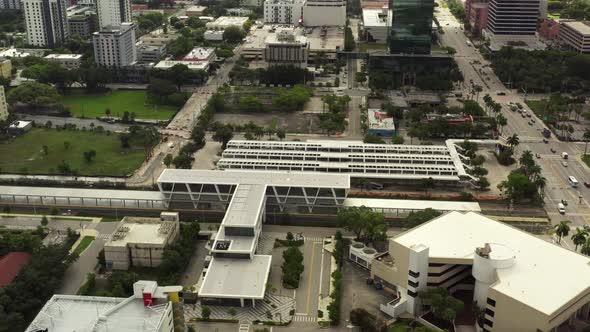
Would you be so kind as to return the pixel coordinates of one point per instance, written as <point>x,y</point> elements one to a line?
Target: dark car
<point>552,150</point>
<point>587,184</point>
<point>538,156</point>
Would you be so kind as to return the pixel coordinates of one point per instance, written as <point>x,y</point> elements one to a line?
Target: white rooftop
<point>193,65</point>
<point>196,8</point>
<point>67,313</point>
<point>246,205</point>
<point>377,18</point>
<point>579,26</point>
<point>237,278</point>
<point>64,56</point>
<point>19,124</point>
<point>286,36</point>
<point>200,54</point>
<point>408,204</point>
<point>138,233</point>
<point>223,22</point>
<point>294,179</point>
<point>544,276</point>
<point>380,120</point>
<point>13,53</point>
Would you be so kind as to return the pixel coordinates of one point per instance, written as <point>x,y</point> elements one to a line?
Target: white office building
<point>10,4</point>
<point>283,11</point>
<point>113,12</point>
<point>114,46</point>
<point>575,35</point>
<point>286,47</point>
<point>376,24</point>
<point>512,18</point>
<point>69,61</point>
<point>46,22</point>
<point>318,13</point>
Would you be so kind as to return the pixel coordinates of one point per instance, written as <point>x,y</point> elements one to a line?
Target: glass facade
<point>411,30</point>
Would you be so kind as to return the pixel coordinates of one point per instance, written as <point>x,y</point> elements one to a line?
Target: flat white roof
<point>196,8</point>
<point>544,276</point>
<point>408,204</point>
<point>199,54</point>
<point>376,18</point>
<point>194,65</point>
<point>64,56</point>
<point>245,206</point>
<point>226,21</point>
<point>236,278</point>
<point>579,26</point>
<point>19,124</point>
<point>67,313</point>
<point>294,179</point>
<point>101,194</point>
<point>138,233</point>
<point>380,120</point>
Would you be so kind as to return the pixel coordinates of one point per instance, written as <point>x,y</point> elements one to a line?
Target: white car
<point>561,208</point>
<point>564,163</point>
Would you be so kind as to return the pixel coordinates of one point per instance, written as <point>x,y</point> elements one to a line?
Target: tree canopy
<point>33,94</point>
<point>367,225</point>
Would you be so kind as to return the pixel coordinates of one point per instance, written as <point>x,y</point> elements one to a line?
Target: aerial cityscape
<point>294,165</point>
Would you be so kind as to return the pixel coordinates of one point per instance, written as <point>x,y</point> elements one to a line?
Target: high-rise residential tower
<point>513,17</point>
<point>114,46</point>
<point>46,22</point>
<point>113,12</point>
<point>411,29</point>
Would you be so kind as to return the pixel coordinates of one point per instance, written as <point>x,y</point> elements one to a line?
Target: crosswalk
<point>305,319</point>
<point>103,236</point>
<point>313,239</point>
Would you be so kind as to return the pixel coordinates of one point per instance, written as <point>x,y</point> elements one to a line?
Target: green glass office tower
<point>411,31</point>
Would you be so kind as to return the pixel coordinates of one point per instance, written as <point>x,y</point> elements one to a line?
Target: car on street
<point>538,156</point>
<point>533,120</point>
<point>561,208</point>
<point>500,93</point>
<point>564,163</point>
<point>587,184</point>
<point>546,141</point>
<point>586,227</point>
<point>530,123</point>
<point>552,150</point>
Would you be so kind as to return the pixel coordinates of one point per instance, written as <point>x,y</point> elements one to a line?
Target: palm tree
<point>586,139</point>
<point>477,89</point>
<point>541,183</point>
<point>586,248</point>
<point>562,229</point>
<point>513,141</point>
<point>502,121</point>
<point>580,237</point>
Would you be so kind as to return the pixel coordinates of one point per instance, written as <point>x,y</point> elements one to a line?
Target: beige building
<point>522,282</point>
<point>140,241</point>
<point>575,35</point>
<point>3,105</point>
<point>5,68</point>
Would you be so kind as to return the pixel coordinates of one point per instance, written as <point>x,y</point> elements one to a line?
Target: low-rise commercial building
<point>200,54</point>
<point>5,68</point>
<point>213,35</point>
<point>19,127</point>
<point>380,124</point>
<point>286,47</point>
<point>319,13</point>
<point>69,61</point>
<point>223,22</point>
<point>140,241</point>
<point>192,65</point>
<point>149,308</point>
<point>239,12</point>
<point>376,24</point>
<point>150,53</point>
<point>195,11</point>
<point>158,38</point>
<point>114,46</point>
<point>575,35</point>
<point>515,277</point>
<point>283,11</point>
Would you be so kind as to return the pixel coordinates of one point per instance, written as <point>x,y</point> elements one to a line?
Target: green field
<point>24,154</point>
<point>85,243</point>
<point>119,102</point>
<point>538,106</point>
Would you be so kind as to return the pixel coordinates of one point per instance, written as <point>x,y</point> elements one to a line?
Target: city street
<point>477,70</point>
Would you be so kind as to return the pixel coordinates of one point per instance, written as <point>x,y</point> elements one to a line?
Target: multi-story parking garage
<point>359,160</point>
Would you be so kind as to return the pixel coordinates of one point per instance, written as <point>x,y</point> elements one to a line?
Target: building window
<point>412,294</point>
<point>491,302</point>
<point>414,274</point>
<point>488,322</point>
<point>489,312</point>
<point>413,283</point>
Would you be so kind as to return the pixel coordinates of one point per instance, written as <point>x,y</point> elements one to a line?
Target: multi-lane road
<point>477,70</point>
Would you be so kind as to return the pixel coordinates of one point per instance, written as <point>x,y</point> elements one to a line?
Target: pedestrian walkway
<point>304,318</point>
<point>314,239</point>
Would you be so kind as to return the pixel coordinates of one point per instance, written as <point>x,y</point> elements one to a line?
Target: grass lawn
<point>24,154</point>
<point>554,16</point>
<point>538,106</point>
<point>85,243</point>
<point>586,158</point>
<point>119,102</point>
